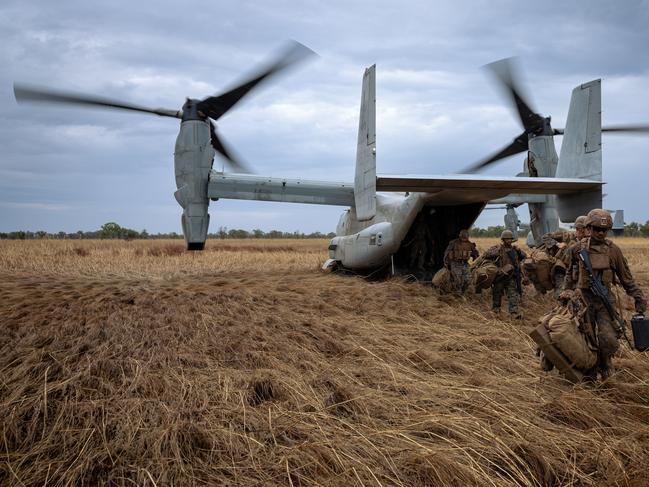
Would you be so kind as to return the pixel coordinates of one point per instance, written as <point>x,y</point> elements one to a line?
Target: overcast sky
<point>437,112</point>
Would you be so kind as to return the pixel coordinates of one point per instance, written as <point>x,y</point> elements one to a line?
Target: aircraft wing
<point>464,188</point>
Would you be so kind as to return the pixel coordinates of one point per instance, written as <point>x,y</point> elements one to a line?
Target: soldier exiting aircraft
<point>456,260</point>
<point>556,245</point>
<point>420,245</point>
<point>597,264</point>
<point>508,258</point>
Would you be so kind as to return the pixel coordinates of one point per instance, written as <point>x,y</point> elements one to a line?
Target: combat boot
<point>606,368</point>
<point>590,376</point>
<point>546,365</point>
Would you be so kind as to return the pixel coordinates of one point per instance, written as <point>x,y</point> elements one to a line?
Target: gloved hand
<point>639,313</point>
<point>566,295</point>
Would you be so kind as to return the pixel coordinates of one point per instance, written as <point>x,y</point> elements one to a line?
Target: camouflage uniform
<point>552,240</point>
<point>551,243</point>
<point>610,266</point>
<point>456,258</point>
<point>561,254</point>
<point>507,282</point>
<point>419,244</point>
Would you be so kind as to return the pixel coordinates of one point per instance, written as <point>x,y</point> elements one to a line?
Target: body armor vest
<point>461,251</point>
<point>601,262</point>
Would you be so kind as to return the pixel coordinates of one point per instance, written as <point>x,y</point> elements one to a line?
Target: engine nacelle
<point>193,161</point>
<point>369,248</point>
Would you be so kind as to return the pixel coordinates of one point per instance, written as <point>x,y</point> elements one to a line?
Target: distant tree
<point>222,233</point>
<point>644,229</point>
<point>632,229</point>
<point>238,233</point>
<point>110,230</point>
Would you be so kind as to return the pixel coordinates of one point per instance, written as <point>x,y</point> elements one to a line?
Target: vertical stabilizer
<point>581,150</point>
<point>365,177</point>
<point>618,223</point>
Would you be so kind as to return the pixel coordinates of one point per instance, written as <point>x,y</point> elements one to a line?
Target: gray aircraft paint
<point>581,150</point>
<point>193,157</point>
<point>365,175</point>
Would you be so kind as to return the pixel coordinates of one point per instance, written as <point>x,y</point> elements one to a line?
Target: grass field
<point>136,363</point>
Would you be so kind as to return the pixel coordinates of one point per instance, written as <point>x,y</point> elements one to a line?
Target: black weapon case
<point>640,328</point>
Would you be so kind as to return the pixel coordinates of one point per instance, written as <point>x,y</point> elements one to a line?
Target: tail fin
<point>618,223</point>
<point>365,178</point>
<point>581,150</point>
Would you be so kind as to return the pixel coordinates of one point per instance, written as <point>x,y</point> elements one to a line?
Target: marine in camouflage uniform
<point>610,266</point>
<point>419,245</point>
<point>556,244</point>
<point>508,258</point>
<point>456,259</point>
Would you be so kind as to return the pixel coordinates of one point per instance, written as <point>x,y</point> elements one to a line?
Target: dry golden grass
<point>136,363</point>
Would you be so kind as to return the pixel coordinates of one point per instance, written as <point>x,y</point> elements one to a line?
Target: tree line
<point>112,230</point>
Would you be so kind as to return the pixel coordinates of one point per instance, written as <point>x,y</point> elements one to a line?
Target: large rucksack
<point>483,275</point>
<point>538,269</point>
<point>443,280</point>
<point>565,333</point>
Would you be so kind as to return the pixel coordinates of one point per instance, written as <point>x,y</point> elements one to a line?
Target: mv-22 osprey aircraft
<point>384,212</point>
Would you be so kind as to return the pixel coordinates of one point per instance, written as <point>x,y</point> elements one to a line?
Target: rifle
<point>517,270</point>
<point>598,288</point>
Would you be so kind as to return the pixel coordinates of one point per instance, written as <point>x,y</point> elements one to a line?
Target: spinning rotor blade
<point>25,93</point>
<point>503,70</point>
<point>217,143</point>
<point>631,129</point>
<point>216,106</point>
<point>627,128</point>
<point>519,144</point>
<point>533,123</point>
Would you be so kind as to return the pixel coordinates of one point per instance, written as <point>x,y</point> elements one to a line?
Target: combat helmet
<point>599,218</point>
<point>507,234</point>
<point>580,222</point>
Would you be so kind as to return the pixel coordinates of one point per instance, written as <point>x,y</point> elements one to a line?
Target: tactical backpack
<point>538,269</point>
<point>443,280</point>
<point>483,275</point>
<point>563,326</point>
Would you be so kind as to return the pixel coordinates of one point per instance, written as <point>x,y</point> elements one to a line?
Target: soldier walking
<point>556,244</point>
<point>508,258</point>
<point>456,259</point>
<point>596,264</point>
<point>419,245</point>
